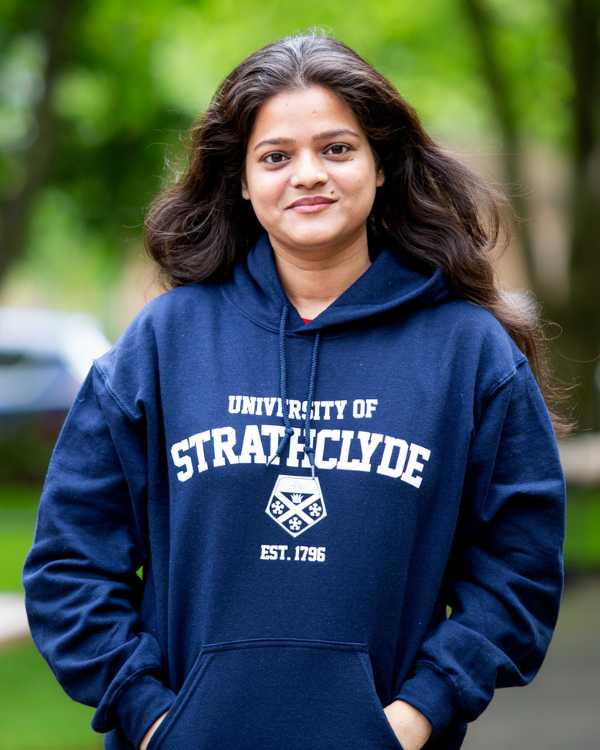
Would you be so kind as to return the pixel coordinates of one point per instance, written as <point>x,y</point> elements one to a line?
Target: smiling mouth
<point>309,208</point>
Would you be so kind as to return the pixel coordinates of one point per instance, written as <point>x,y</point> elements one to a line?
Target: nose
<point>308,171</point>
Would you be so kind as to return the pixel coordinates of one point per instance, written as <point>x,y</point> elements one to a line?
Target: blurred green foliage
<point>133,80</point>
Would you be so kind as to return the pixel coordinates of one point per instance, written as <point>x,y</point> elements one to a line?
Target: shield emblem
<point>296,503</point>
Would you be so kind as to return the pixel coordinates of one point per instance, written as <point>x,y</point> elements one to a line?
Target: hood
<point>392,281</point>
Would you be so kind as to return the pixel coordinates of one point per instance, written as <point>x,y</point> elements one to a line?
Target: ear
<point>380,179</point>
<point>245,193</point>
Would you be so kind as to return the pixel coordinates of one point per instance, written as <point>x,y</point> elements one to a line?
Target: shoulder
<point>129,369</point>
<point>158,314</point>
<point>172,302</point>
<point>481,340</point>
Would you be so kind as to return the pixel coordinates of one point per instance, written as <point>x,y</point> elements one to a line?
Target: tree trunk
<point>479,18</point>
<point>16,210</point>
<point>579,358</point>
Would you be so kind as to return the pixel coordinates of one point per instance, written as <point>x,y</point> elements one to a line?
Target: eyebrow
<point>318,137</point>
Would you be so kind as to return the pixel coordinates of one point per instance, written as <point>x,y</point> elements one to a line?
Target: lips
<point>312,200</point>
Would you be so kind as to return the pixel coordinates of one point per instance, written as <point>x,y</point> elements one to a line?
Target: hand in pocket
<point>410,726</point>
<point>153,727</point>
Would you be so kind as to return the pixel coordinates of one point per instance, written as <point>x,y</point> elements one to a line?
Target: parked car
<point>44,358</point>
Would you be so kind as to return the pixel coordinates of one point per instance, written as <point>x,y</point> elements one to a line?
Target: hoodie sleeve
<point>504,580</point>
<point>82,593</point>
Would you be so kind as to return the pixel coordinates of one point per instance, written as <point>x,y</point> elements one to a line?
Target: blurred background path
<point>559,709</point>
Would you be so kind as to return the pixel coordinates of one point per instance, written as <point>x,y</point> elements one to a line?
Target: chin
<point>315,239</point>
<point>313,233</point>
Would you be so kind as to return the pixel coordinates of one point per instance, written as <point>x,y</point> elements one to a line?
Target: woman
<point>325,265</point>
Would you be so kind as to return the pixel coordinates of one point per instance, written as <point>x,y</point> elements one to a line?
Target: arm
<point>81,589</point>
<point>505,576</point>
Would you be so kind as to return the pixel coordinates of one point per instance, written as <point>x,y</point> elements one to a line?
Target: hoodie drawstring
<point>308,449</point>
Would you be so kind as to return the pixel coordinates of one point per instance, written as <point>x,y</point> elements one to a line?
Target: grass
<point>582,539</point>
<point>18,509</point>
<point>36,712</point>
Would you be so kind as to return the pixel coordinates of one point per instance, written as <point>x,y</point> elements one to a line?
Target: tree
<point>578,314</point>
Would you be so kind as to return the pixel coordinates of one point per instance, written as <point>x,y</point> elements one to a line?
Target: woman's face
<point>306,160</point>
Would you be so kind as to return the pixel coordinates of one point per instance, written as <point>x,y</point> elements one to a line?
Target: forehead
<point>302,112</point>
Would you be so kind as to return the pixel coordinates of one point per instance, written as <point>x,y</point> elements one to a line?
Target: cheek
<point>355,178</point>
<point>267,187</point>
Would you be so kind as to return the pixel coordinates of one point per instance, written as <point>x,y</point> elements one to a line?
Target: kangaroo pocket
<point>268,694</point>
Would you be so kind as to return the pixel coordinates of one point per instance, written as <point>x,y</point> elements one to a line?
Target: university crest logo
<point>296,503</point>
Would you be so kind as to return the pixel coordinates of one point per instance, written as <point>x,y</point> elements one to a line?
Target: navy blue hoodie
<point>275,528</point>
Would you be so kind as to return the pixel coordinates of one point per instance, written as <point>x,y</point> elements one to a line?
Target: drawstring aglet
<point>310,452</point>
<point>288,432</point>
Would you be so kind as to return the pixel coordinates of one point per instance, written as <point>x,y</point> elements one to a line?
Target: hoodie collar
<point>391,281</point>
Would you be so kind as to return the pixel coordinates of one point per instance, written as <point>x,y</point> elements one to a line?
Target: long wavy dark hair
<point>431,205</point>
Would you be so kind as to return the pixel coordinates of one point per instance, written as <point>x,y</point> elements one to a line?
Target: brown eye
<point>342,145</point>
<point>333,145</point>
<point>273,153</point>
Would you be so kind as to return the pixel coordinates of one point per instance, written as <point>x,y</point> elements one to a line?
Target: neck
<point>313,278</point>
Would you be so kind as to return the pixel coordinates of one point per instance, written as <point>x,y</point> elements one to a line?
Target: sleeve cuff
<point>432,692</point>
<point>142,700</point>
